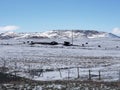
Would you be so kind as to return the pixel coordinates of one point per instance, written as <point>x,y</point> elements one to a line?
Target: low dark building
<point>66,43</point>
<point>45,43</point>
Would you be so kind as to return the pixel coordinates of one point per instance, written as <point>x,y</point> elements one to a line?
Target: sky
<point>45,15</point>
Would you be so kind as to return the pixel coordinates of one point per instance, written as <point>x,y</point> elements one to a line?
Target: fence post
<point>42,72</point>
<point>78,72</point>
<point>4,66</point>
<point>119,75</point>
<point>89,74</point>
<point>99,75</point>
<point>29,68</point>
<point>60,73</point>
<point>68,73</point>
<point>15,68</point>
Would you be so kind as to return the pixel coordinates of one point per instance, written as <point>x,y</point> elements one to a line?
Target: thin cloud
<point>116,31</point>
<point>9,28</point>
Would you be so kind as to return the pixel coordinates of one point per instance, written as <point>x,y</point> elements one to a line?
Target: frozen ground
<point>60,62</point>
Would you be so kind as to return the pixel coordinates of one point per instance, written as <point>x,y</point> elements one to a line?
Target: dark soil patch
<point>6,78</point>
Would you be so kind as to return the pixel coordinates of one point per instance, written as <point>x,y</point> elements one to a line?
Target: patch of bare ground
<point>8,81</point>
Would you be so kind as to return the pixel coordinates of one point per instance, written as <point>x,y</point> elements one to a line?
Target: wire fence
<point>68,73</point>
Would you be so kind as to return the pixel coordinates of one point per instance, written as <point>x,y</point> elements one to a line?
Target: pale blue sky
<point>43,15</point>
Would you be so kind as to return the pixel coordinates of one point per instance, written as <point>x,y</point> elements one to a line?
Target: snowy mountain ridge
<point>59,34</point>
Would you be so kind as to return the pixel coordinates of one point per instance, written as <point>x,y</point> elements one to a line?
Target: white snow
<point>91,57</point>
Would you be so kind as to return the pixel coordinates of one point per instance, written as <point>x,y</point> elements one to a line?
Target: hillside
<point>59,34</point>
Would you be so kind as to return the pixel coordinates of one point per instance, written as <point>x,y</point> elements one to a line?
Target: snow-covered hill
<point>59,34</point>
<point>78,34</point>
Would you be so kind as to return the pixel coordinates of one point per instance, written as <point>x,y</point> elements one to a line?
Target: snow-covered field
<point>60,62</point>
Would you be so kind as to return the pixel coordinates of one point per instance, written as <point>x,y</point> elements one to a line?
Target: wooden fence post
<point>4,66</point>
<point>29,67</point>
<point>99,75</point>
<point>119,75</point>
<point>89,74</point>
<point>68,73</point>
<point>15,67</point>
<point>60,73</point>
<point>42,72</point>
<point>78,72</point>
